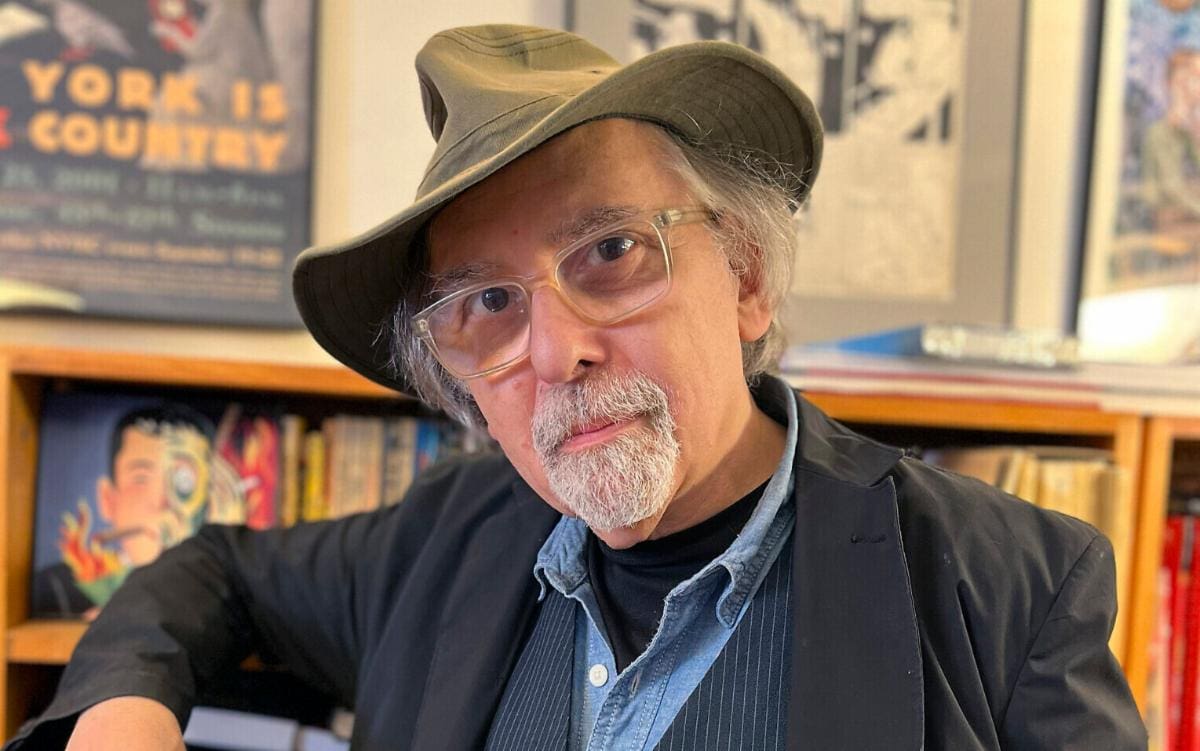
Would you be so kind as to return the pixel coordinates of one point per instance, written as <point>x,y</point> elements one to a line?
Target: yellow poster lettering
<point>80,134</point>
<point>135,89</point>
<point>230,149</point>
<point>196,139</point>
<point>241,99</point>
<point>122,137</point>
<point>272,105</point>
<point>42,78</point>
<point>163,143</point>
<point>89,85</point>
<point>179,94</point>
<point>268,146</point>
<point>43,131</point>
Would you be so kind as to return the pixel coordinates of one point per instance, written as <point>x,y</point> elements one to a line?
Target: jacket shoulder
<point>986,570</point>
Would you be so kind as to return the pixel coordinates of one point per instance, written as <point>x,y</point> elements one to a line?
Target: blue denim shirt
<point>633,710</point>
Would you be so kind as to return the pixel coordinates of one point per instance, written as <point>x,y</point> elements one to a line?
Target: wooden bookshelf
<point>43,642</point>
<point>33,650</point>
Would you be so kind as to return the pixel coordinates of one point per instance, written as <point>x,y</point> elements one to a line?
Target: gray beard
<point>619,482</point>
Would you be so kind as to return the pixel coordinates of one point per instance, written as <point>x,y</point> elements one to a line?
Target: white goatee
<point>623,480</point>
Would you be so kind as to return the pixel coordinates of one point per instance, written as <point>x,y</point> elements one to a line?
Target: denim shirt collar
<point>562,563</point>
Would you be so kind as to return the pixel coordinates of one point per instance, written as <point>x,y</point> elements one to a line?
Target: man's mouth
<point>583,436</point>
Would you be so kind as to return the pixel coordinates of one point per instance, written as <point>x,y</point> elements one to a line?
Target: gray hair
<point>750,194</point>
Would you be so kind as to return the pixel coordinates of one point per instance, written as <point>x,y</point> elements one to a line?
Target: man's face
<point>1185,90</point>
<point>662,391</point>
<point>157,489</point>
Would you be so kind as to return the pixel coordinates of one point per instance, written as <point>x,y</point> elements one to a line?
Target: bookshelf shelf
<point>44,642</point>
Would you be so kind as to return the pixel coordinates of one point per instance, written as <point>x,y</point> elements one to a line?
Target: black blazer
<point>930,610</point>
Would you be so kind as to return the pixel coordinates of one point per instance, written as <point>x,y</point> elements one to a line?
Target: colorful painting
<point>1141,291</point>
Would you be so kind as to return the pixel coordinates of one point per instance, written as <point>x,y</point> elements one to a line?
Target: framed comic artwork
<point>155,157</point>
<point>1140,296</point>
<point>910,220</point>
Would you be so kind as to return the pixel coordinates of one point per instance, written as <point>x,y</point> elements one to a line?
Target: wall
<point>371,145</point>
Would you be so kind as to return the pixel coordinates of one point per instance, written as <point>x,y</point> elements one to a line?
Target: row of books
<point>123,476</point>
<point>1082,482</point>
<point>1172,707</point>
<point>355,463</point>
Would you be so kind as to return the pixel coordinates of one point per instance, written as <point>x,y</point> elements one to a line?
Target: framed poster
<point>910,218</point>
<point>155,157</point>
<point>1141,288</point>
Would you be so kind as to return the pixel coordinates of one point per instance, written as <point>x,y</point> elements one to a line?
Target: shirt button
<point>598,675</point>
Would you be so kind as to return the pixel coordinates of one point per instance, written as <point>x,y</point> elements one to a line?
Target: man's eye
<point>613,248</point>
<point>493,299</point>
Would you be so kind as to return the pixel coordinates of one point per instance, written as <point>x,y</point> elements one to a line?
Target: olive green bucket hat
<point>494,93</point>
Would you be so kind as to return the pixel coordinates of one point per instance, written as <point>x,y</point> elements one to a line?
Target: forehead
<point>608,164</point>
<point>134,439</point>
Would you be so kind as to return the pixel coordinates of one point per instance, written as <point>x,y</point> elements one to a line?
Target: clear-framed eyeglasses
<point>605,277</point>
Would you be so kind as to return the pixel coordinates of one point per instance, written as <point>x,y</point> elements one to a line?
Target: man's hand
<point>127,722</point>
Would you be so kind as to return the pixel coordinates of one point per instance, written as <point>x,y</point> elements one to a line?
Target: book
<point>399,458</point>
<point>248,440</point>
<point>314,503</point>
<point>987,463</point>
<point>211,727</point>
<point>333,432</point>
<point>428,443</point>
<point>372,437</point>
<point>121,477</point>
<point>967,343</point>
<point>292,429</point>
<point>1180,597</point>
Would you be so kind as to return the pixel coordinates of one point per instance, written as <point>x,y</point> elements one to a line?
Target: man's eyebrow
<point>589,221</point>
<point>457,277</point>
<point>598,217</point>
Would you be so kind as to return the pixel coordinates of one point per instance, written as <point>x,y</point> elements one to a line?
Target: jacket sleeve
<point>1070,692</point>
<point>299,596</point>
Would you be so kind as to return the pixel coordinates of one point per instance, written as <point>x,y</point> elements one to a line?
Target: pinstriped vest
<point>742,701</point>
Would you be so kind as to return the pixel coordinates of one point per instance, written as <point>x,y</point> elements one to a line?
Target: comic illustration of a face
<point>156,495</point>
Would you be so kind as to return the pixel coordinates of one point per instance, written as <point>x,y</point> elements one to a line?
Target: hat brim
<point>711,92</point>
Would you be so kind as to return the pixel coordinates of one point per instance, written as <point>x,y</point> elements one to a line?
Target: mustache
<point>571,408</point>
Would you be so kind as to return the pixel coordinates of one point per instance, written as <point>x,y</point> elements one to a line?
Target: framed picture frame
<point>911,218</point>
<point>1140,296</point>
<point>155,157</point>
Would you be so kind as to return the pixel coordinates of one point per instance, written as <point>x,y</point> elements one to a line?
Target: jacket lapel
<point>485,623</point>
<point>856,660</point>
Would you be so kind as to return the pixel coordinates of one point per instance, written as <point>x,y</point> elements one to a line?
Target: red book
<point>1177,555</point>
<point>1165,657</point>
<point>1189,728</point>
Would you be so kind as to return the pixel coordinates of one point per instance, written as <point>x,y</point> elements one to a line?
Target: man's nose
<point>562,346</point>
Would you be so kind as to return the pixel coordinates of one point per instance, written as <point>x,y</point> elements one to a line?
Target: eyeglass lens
<point>604,279</point>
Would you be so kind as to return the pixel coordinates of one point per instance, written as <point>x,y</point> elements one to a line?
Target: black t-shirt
<point>631,584</point>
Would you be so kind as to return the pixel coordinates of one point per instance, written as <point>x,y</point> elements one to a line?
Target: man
<point>1170,152</point>
<point>153,497</point>
<point>662,557</point>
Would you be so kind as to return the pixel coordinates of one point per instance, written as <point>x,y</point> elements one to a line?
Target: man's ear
<point>105,499</point>
<point>754,311</point>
